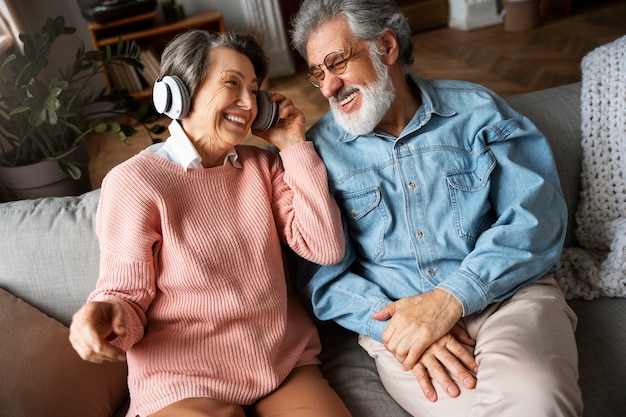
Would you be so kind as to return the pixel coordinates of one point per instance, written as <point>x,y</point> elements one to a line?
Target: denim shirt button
<point>419,234</point>
<point>431,272</point>
<point>411,185</point>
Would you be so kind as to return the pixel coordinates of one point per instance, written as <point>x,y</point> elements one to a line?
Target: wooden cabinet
<point>425,14</point>
<point>151,38</point>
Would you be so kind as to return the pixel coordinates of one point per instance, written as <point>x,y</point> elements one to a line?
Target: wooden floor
<point>508,62</point>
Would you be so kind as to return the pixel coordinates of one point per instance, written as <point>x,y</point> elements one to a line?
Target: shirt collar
<point>180,148</point>
<point>233,157</point>
<point>431,104</point>
<point>183,152</point>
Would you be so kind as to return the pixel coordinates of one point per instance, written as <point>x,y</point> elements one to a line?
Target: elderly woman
<point>192,290</point>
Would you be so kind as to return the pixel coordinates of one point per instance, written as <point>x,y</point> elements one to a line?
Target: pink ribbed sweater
<point>195,259</point>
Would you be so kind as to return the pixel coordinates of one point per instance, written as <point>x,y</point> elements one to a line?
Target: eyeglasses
<point>335,62</point>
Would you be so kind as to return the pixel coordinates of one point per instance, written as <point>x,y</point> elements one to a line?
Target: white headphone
<point>267,115</point>
<point>171,97</point>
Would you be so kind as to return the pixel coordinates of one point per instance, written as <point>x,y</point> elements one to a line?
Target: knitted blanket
<point>598,267</point>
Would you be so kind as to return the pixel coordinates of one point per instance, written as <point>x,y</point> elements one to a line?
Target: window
<point>9,25</point>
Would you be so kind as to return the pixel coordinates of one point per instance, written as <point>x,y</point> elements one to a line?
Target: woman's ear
<point>389,47</point>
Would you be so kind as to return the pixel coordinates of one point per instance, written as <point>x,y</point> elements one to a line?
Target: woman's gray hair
<point>367,19</point>
<point>187,55</point>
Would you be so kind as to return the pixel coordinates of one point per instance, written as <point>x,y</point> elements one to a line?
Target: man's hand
<point>423,337</point>
<point>417,322</point>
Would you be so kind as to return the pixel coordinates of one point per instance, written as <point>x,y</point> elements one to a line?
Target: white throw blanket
<point>598,267</point>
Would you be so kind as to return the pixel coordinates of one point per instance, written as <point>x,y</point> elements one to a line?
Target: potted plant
<point>47,120</point>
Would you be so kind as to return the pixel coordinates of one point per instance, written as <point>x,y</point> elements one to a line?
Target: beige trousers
<point>527,362</point>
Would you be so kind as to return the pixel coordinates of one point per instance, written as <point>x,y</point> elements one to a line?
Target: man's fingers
<point>384,313</point>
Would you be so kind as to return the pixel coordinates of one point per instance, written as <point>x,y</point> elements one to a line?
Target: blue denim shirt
<point>467,199</point>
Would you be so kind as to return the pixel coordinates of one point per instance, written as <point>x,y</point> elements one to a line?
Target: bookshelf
<point>151,37</point>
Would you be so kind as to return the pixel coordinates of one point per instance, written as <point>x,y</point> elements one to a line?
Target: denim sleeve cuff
<point>468,289</point>
<point>374,328</point>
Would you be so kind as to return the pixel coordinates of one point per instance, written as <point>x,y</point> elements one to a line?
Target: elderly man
<point>455,215</point>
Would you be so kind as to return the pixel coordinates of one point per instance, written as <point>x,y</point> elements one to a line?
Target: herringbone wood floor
<point>507,62</point>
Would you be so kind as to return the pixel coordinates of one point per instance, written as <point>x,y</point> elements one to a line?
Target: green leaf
<point>114,127</point>
<point>37,118</point>
<point>19,109</point>
<point>55,92</point>
<point>52,116</point>
<point>71,126</point>
<point>8,60</point>
<point>53,103</point>
<point>72,169</point>
<point>122,136</point>
<point>44,116</point>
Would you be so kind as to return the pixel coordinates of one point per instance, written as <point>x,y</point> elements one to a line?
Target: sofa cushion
<point>601,337</point>
<point>551,111</point>
<point>49,252</point>
<point>47,377</point>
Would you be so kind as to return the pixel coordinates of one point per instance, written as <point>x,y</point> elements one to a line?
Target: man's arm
<point>338,294</point>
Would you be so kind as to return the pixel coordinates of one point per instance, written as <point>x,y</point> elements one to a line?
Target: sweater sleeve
<point>306,214</point>
<point>127,227</point>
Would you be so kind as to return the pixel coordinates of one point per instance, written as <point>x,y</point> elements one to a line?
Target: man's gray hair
<point>367,19</point>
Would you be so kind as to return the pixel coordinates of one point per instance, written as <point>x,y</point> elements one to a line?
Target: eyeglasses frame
<point>331,68</point>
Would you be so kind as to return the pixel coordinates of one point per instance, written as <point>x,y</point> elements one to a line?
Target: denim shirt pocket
<point>367,221</point>
<point>469,195</point>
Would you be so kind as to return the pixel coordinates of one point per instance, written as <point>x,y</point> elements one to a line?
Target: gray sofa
<point>49,264</point>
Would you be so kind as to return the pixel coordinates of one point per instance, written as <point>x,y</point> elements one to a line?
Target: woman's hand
<point>290,128</point>
<point>448,357</point>
<point>93,327</point>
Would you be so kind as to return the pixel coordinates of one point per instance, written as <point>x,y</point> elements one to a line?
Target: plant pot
<point>46,179</point>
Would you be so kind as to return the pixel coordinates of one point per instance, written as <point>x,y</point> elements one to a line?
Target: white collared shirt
<point>179,150</point>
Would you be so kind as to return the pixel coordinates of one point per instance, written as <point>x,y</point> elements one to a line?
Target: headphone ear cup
<point>170,97</point>
<point>267,115</point>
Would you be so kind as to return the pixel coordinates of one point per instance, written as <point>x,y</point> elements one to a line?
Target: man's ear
<point>389,47</point>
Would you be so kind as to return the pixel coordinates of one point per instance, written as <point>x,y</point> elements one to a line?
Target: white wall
<point>254,16</point>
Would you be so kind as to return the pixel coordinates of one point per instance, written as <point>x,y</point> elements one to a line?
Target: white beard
<point>375,101</point>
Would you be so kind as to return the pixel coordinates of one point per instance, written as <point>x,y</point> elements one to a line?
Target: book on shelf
<point>124,77</point>
<point>151,66</point>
